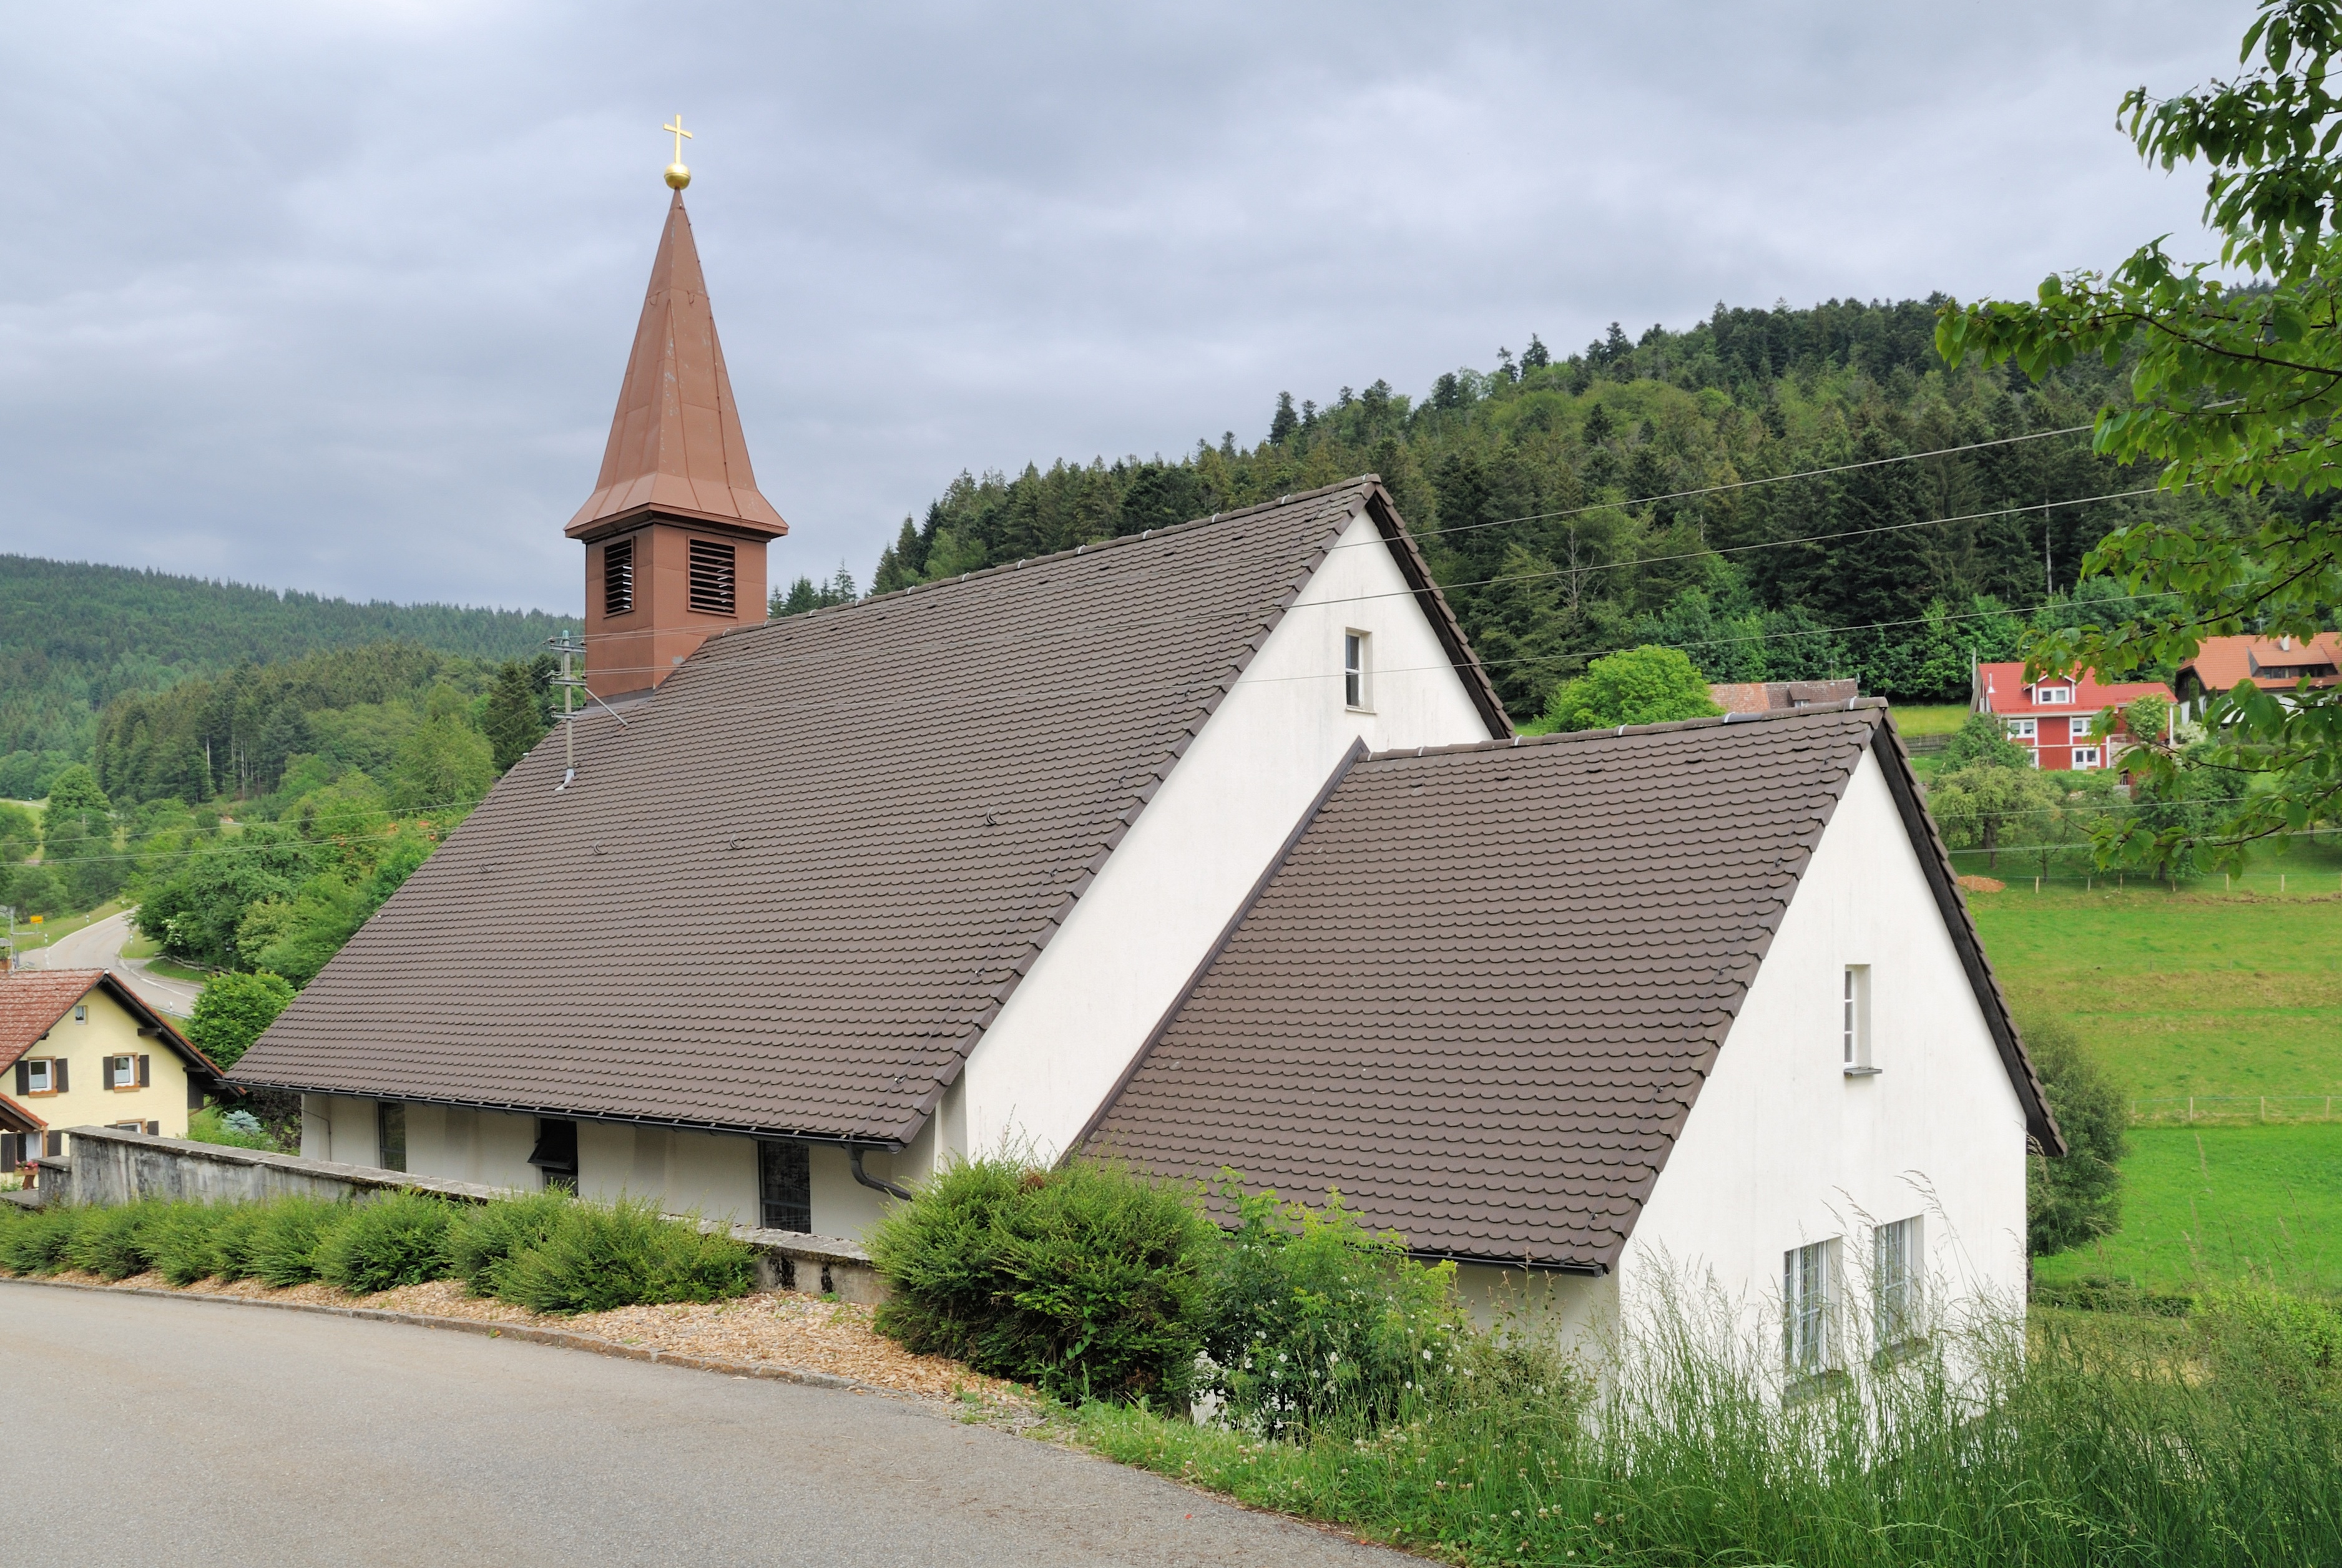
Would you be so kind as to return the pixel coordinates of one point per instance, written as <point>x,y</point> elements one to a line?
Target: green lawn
<point>2206,1205</point>
<point>2195,993</point>
<point>1930,721</point>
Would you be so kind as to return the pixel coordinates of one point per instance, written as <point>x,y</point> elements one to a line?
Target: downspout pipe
<point>854,1158</point>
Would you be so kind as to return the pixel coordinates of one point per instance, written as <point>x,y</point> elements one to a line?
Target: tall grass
<point>545,1251</point>
<point>2077,1439</point>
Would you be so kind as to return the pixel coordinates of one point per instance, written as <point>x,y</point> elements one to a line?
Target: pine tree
<point>515,720</point>
<point>1285,421</point>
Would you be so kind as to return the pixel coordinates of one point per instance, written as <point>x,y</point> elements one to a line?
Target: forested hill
<point>75,636</point>
<point>1541,491</point>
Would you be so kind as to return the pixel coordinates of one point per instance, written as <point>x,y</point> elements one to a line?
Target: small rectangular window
<point>784,1186</point>
<point>714,586</point>
<point>2022,729</point>
<point>390,1123</point>
<point>2078,726</point>
<point>1807,1288</point>
<point>618,577</point>
<point>556,1154</point>
<point>122,1072</point>
<point>1853,1019</point>
<point>1895,1276</point>
<point>38,1077</point>
<point>1357,671</point>
<point>2087,757</point>
<point>2052,695</point>
<point>81,1011</point>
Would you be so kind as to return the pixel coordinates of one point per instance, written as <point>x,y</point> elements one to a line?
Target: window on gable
<point>714,572</point>
<point>390,1135</point>
<point>1854,1020</point>
<point>81,1011</point>
<point>784,1186</point>
<point>618,577</point>
<point>1895,1277</point>
<point>1357,670</point>
<point>1807,1288</point>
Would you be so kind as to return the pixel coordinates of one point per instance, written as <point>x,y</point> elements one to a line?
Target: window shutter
<point>141,1072</point>
<point>58,1072</point>
<point>153,1129</point>
<point>23,1077</point>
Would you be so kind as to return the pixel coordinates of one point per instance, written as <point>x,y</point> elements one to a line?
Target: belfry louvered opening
<point>617,577</point>
<point>714,578</point>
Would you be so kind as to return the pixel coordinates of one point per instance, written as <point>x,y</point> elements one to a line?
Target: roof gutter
<point>854,1158</point>
<point>674,1124</point>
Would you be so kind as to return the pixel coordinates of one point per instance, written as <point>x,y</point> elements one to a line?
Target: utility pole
<point>568,648</point>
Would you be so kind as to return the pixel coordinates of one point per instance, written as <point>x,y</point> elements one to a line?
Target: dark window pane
<point>392,1118</point>
<point>785,1181</point>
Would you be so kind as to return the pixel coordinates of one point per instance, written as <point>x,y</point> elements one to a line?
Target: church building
<point>1205,847</point>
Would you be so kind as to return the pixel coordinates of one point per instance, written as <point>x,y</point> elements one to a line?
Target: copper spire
<point>675,448</point>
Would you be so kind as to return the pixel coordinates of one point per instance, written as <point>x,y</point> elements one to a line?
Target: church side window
<point>1807,1284</point>
<point>618,577</point>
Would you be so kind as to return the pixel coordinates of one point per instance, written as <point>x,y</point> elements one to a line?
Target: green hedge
<point>545,1251</point>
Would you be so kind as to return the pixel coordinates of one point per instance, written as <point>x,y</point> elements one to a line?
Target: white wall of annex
<point>1137,935</point>
<point>1783,1149</point>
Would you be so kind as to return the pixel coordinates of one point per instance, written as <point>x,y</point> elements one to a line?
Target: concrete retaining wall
<point>111,1165</point>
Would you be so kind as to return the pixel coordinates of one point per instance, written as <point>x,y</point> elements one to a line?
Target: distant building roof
<point>1778,696</point>
<point>2221,663</point>
<point>2002,688</point>
<point>1482,993</point>
<point>791,892</point>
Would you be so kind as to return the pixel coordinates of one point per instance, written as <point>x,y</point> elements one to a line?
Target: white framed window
<point>2078,728</point>
<point>2086,758</point>
<point>1853,1020</point>
<point>122,1072</point>
<point>1357,670</point>
<point>39,1076</point>
<point>1897,1270</point>
<point>1809,1289</point>
<point>81,1011</point>
<point>2023,729</point>
<point>2051,697</point>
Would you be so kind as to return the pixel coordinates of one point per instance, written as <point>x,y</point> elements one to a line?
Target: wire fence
<point>1977,876</point>
<point>2230,1110</point>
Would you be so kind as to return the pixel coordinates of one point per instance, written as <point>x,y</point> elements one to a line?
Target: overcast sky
<point>338,297</point>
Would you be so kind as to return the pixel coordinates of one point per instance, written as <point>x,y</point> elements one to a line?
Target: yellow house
<point>77,1049</point>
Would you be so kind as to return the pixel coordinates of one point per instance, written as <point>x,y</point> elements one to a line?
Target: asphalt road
<point>98,945</point>
<point>184,1431</point>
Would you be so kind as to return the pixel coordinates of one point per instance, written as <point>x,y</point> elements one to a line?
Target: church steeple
<point>676,528</point>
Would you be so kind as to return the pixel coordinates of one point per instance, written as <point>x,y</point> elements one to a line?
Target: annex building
<point>1206,847</point>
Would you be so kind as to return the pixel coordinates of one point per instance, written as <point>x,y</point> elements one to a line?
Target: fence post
<point>2280,882</point>
<point>2191,1109</point>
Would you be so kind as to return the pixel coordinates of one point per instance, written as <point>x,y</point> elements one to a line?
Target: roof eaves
<point>164,1030</point>
<point>1384,510</point>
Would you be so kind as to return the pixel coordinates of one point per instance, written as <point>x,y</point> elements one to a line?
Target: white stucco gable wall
<point>1783,1148</point>
<point>1138,933</point>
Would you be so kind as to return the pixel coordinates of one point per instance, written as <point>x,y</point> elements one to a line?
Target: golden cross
<point>679,135</point>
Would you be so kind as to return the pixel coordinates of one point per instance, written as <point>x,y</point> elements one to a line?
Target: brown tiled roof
<point>1482,993</point>
<point>791,892</point>
<point>33,1000</point>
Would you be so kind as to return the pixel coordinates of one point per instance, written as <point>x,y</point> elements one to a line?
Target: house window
<point>2022,729</point>
<point>38,1075</point>
<point>1854,1020</point>
<point>2087,757</point>
<point>784,1186</point>
<point>556,1154</point>
<point>122,1072</point>
<point>2049,696</point>
<point>714,587</point>
<point>81,1011</point>
<point>1806,1290</point>
<point>618,577</point>
<point>1357,671</point>
<point>2078,728</point>
<point>390,1135</point>
<point>1895,1276</point>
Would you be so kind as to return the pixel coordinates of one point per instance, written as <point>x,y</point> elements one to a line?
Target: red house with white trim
<point>2052,717</point>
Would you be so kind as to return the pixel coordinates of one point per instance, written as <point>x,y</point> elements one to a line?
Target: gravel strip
<point>774,1329</point>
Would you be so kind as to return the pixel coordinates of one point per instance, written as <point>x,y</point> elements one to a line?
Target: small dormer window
<point>714,578</point>
<point>2049,695</point>
<point>618,577</point>
<point>1357,671</point>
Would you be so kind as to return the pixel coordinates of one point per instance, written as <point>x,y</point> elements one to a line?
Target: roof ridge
<point>1361,482</point>
<point>1612,732</point>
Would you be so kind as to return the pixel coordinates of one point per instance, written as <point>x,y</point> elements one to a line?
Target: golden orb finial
<point>678,176</point>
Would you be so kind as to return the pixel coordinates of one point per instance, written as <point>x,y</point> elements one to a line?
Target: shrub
<point>236,1129</point>
<point>235,1238</point>
<point>38,1242</point>
<point>1315,1314</point>
<point>598,1258</point>
<point>481,1240</point>
<point>399,1239</point>
<point>287,1237</point>
<point>2074,1200</point>
<point>231,1013</point>
<point>1090,1280</point>
<point>115,1243</point>
<point>184,1241</point>
<point>1645,685</point>
<point>1983,739</point>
